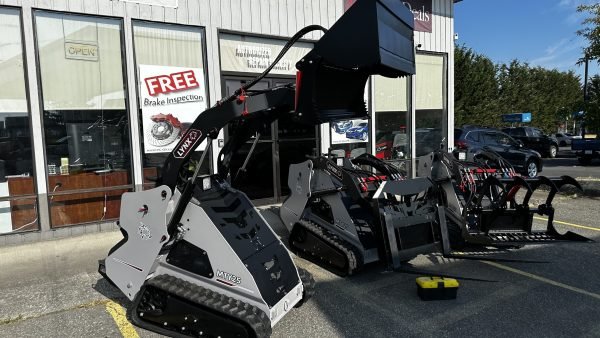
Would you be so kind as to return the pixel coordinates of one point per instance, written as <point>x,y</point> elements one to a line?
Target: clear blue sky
<point>539,32</point>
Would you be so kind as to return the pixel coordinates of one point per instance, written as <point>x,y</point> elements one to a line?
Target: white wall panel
<point>145,12</point>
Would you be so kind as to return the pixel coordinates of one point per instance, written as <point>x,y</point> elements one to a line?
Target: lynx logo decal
<point>187,143</point>
<point>334,170</point>
<point>228,278</point>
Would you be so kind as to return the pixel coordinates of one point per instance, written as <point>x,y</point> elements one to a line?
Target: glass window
<point>430,116</point>
<point>473,136</point>
<point>86,125</point>
<point>18,205</point>
<point>391,118</point>
<point>491,138</point>
<point>163,50</point>
<point>536,132</point>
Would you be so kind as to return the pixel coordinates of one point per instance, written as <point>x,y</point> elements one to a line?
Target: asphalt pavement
<point>52,289</point>
<point>566,163</point>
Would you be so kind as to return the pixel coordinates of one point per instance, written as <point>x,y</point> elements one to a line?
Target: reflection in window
<point>16,164</point>
<point>431,116</point>
<point>86,127</point>
<point>391,116</point>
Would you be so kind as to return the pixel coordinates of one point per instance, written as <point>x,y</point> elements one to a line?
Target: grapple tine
<point>553,189</point>
<point>490,181</point>
<point>567,236</point>
<point>535,183</point>
<point>568,180</point>
<point>514,186</point>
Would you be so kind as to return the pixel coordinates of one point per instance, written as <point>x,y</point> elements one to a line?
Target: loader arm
<point>264,105</point>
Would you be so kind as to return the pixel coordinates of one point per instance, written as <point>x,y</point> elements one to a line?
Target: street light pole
<point>585,79</point>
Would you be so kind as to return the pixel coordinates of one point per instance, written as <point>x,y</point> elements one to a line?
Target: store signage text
<point>81,51</point>
<point>421,10</point>
<point>258,57</point>
<point>252,54</point>
<point>171,83</point>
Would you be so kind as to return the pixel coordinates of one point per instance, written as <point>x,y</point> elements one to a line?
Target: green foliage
<point>484,91</point>
<point>475,83</point>
<point>592,107</point>
<point>591,30</point>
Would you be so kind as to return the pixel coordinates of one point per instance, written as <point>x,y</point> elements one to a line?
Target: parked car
<point>360,132</point>
<point>586,149</point>
<point>535,139</point>
<point>341,126</point>
<point>563,139</point>
<point>469,143</point>
<point>391,146</point>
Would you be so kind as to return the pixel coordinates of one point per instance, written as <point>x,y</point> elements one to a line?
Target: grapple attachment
<point>483,206</point>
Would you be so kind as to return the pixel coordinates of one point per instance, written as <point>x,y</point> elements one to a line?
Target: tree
<point>591,31</point>
<point>476,87</point>
<point>484,91</point>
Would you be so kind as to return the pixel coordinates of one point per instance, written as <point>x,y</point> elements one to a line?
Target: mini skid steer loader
<point>197,259</point>
<point>340,215</point>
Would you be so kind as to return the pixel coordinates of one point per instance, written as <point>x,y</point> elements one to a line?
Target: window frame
<point>32,196</point>
<point>128,187</point>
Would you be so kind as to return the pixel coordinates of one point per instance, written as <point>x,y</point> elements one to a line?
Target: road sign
<point>520,117</point>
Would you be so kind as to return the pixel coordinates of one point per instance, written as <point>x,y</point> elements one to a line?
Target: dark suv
<point>535,139</point>
<point>468,143</point>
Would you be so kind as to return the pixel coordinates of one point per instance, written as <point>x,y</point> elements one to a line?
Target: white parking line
<point>542,279</point>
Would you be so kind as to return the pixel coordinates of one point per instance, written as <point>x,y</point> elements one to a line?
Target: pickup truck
<point>535,139</point>
<point>586,149</point>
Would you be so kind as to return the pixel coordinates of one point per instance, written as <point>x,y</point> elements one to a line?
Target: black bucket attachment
<point>409,219</point>
<point>331,78</point>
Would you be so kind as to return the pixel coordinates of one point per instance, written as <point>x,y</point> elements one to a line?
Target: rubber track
<point>338,244</point>
<point>308,283</point>
<point>246,313</point>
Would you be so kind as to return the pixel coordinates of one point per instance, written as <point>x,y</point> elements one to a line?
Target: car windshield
<point>364,124</point>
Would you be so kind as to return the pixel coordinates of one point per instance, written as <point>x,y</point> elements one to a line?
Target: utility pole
<point>585,79</point>
<point>585,93</point>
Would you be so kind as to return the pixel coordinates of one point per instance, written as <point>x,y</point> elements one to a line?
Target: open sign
<point>81,51</point>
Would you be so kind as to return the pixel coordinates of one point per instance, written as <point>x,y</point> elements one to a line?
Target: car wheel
<point>532,168</point>
<point>363,136</point>
<point>552,151</point>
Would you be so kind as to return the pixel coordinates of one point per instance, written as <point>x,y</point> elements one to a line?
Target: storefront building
<point>93,95</point>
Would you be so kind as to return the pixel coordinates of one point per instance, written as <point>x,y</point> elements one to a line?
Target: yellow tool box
<point>437,288</point>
